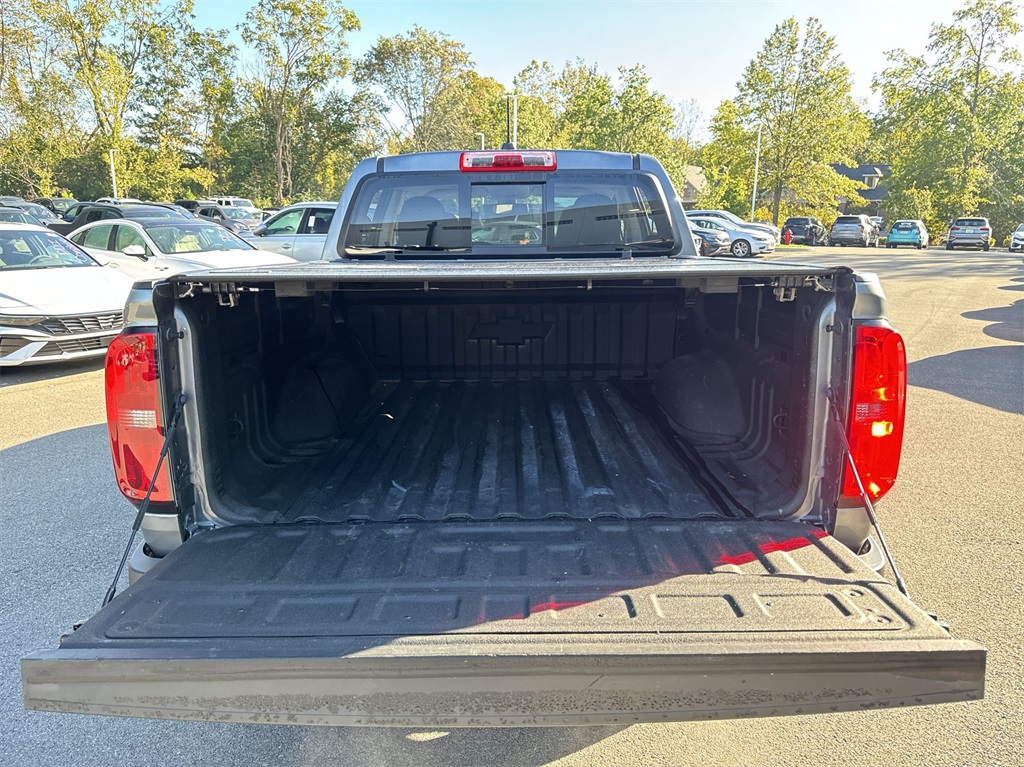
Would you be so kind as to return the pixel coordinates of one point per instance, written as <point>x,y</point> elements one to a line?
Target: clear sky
<point>692,49</point>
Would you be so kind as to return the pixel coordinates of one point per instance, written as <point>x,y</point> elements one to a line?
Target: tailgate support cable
<point>144,506</point>
<point>868,506</point>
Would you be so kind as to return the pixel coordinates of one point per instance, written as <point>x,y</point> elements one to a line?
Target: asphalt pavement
<point>955,522</point>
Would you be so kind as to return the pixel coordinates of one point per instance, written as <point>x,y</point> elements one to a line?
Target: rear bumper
<point>969,241</point>
<point>405,683</point>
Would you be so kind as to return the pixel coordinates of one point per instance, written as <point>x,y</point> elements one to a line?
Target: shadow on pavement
<point>1007,321</point>
<point>992,376</point>
<point>12,376</point>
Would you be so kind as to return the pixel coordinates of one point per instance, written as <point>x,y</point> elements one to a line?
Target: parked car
<point>10,199</point>
<point>907,232</point>
<point>15,215</point>
<point>58,302</point>
<point>193,206</point>
<point>298,231</point>
<point>737,222</point>
<point>712,242</point>
<point>970,232</point>
<point>806,230</point>
<point>40,212</point>
<point>238,202</point>
<point>1016,243</point>
<point>444,479</point>
<point>145,249</point>
<point>74,209</point>
<point>57,204</point>
<point>853,230</point>
<point>743,242</point>
<point>92,211</point>
<point>238,220</point>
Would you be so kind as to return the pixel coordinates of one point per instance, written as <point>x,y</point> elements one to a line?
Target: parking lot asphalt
<point>955,522</point>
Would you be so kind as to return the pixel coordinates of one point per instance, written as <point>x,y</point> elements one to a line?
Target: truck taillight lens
<point>133,416</point>
<point>877,410</point>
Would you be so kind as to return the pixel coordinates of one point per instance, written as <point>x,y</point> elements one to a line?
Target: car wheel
<point>741,249</point>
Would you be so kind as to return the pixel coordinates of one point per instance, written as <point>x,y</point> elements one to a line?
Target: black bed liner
<point>482,450</point>
<point>388,579</point>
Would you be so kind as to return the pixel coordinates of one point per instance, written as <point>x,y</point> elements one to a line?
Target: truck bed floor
<point>523,450</point>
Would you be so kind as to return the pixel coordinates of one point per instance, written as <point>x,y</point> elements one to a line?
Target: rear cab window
<point>577,213</point>
<point>970,222</point>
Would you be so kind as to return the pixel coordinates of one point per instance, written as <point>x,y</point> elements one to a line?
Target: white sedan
<point>148,249</point>
<point>745,242</point>
<point>56,302</point>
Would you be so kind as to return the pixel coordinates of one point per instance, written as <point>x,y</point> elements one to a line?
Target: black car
<point>713,242</point>
<point>58,205</point>
<point>806,229</point>
<point>97,211</point>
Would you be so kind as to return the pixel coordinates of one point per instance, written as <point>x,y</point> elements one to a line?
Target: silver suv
<point>970,232</point>
<point>854,230</point>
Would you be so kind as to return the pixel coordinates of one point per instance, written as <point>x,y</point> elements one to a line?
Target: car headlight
<point>17,321</point>
<point>762,238</point>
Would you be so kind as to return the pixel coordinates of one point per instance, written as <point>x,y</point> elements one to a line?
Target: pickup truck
<point>510,454</point>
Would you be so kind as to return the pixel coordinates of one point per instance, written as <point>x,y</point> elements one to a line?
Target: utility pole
<point>481,135</point>
<point>113,173</point>
<point>757,168</point>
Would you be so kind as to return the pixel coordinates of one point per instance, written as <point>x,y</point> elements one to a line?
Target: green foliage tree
<point>951,117</point>
<point>797,88</point>
<point>424,85</point>
<point>299,47</point>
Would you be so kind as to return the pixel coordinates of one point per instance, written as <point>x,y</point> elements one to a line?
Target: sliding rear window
<point>496,216</point>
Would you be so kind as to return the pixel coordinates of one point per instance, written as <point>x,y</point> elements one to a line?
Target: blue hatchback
<point>907,232</point>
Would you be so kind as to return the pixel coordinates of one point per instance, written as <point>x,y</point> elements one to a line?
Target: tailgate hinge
<point>784,288</point>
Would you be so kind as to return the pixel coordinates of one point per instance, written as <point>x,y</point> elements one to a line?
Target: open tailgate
<point>514,624</point>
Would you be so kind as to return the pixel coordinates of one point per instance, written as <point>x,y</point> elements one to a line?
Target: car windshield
<point>1020,228</point>
<point>195,238</point>
<point>27,249</point>
<point>241,202</point>
<point>237,213</point>
<point>38,211</point>
<point>566,212</point>
<point>62,205</point>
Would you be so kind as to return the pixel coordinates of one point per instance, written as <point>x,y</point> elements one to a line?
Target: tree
<point>300,47</point>
<point>951,118</point>
<point>423,84</point>
<point>798,90</point>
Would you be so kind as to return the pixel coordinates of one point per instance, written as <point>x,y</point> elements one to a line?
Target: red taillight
<point>505,161</point>
<point>877,410</point>
<point>954,228</point>
<point>133,416</point>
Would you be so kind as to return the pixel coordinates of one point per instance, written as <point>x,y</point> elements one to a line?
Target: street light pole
<point>481,135</point>
<point>113,173</point>
<point>757,168</point>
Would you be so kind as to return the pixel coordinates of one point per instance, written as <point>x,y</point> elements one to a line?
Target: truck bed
<point>503,450</point>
